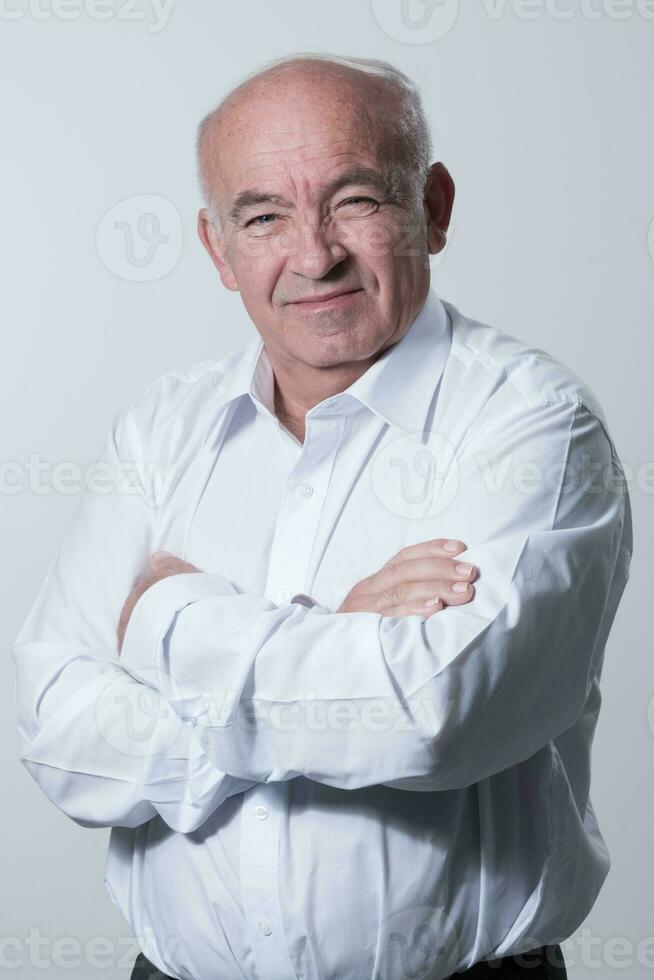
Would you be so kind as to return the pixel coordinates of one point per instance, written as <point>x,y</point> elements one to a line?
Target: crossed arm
<point>243,691</point>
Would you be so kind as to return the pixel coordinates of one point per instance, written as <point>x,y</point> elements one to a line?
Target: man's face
<point>299,173</point>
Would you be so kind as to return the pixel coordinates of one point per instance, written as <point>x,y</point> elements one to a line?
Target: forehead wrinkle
<point>282,169</point>
<point>300,141</point>
<point>266,164</point>
<point>350,106</point>
<point>272,163</point>
<point>336,164</point>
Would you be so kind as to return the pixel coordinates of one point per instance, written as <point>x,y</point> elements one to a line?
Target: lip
<point>327,300</point>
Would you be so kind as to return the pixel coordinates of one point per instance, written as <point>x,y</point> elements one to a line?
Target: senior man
<point>325,753</point>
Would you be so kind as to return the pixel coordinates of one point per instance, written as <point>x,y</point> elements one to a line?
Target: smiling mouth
<point>329,299</point>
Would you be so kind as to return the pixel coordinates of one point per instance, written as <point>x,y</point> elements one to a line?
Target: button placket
<point>266,805</point>
<point>261,815</point>
<point>301,509</point>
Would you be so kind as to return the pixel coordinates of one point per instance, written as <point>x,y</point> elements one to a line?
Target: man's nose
<point>317,250</point>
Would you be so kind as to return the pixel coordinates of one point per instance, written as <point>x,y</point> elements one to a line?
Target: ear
<point>439,200</point>
<point>213,241</point>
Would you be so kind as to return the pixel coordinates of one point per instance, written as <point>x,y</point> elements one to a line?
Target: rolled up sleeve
<point>104,746</point>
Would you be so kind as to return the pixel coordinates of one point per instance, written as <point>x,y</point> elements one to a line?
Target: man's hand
<point>162,565</point>
<point>421,572</point>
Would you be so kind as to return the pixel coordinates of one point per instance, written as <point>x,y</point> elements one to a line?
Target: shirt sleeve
<point>106,747</point>
<point>356,699</point>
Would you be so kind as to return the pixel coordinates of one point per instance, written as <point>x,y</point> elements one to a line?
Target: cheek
<point>381,243</point>
<point>255,266</point>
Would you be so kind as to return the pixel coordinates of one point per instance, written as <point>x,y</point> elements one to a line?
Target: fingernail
<point>463,569</point>
<point>433,602</point>
<point>450,546</point>
<point>156,555</point>
<point>460,587</point>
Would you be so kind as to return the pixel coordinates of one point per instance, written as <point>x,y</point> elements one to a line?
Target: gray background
<point>544,120</point>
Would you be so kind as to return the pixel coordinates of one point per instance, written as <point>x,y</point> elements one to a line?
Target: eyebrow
<point>248,199</point>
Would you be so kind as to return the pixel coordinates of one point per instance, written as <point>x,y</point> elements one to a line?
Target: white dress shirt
<point>299,793</point>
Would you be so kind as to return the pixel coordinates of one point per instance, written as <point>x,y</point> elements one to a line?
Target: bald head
<point>371,96</point>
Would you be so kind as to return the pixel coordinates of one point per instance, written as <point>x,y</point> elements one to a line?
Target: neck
<point>297,391</point>
<point>294,423</point>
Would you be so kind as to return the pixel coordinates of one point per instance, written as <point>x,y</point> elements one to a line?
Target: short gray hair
<point>411,130</point>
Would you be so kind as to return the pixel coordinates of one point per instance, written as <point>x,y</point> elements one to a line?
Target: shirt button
<point>283,595</point>
<point>264,927</point>
<point>304,489</point>
<point>260,811</point>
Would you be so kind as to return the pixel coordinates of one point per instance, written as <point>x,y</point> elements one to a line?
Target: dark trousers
<point>545,963</point>
<point>145,970</point>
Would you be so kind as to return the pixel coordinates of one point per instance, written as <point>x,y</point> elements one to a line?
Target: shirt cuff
<point>153,615</point>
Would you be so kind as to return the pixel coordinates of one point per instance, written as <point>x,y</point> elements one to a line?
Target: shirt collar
<point>398,387</point>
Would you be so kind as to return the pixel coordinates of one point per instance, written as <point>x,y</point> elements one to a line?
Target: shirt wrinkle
<point>362,781</point>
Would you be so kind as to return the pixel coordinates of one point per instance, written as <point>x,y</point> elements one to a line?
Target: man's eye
<point>358,200</point>
<point>258,221</point>
<point>263,220</point>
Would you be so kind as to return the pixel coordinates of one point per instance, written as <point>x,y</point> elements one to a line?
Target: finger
<point>433,548</point>
<point>164,563</point>
<point>453,597</point>
<point>450,593</point>
<point>427,608</point>
<point>415,609</point>
<point>409,599</point>
<point>421,570</point>
<point>161,555</point>
<point>163,559</point>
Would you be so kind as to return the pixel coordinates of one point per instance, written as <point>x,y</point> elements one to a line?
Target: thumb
<point>159,558</point>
